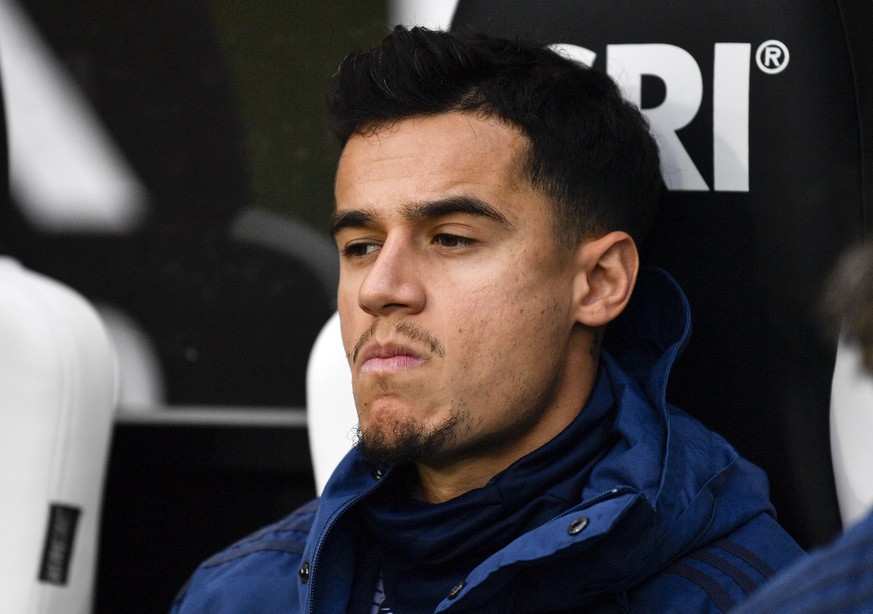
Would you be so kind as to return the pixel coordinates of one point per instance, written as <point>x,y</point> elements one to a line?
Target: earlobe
<point>606,272</point>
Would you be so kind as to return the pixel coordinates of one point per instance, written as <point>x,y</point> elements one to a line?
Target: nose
<point>393,282</point>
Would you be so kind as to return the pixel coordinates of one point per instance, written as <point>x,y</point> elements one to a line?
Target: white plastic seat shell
<point>58,387</point>
<point>851,422</point>
<point>330,403</point>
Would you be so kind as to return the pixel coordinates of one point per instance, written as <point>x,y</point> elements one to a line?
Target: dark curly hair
<point>590,150</point>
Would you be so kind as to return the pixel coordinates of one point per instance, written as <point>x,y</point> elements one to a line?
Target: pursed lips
<point>389,357</point>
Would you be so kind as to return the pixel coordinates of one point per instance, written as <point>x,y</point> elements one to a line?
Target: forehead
<point>425,158</point>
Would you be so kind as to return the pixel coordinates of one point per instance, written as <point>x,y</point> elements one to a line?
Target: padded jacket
<point>671,519</point>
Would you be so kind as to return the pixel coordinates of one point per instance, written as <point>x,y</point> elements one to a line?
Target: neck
<point>445,477</point>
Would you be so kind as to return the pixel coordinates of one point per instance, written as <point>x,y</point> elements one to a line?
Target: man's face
<point>455,301</point>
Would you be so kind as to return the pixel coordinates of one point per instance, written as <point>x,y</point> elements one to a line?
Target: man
<point>838,577</point>
<point>512,458</point>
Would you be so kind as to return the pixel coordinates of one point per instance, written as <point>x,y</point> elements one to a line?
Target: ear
<point>606,271</point>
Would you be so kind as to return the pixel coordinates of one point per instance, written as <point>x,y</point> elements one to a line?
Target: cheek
<point>511,340</point>
<point>351,326</point>
<point>488,344</point>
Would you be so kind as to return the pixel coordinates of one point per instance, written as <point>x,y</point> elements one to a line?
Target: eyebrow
<point>420,211</point>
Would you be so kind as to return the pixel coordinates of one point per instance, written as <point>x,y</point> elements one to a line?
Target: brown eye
<point>359,250</point>
<point>452,241</point>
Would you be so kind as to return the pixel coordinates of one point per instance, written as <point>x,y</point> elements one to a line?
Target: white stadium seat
<point>58,385</point>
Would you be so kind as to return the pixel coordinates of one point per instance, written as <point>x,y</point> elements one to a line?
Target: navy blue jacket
<point>671,518</point>
<point>834,579</point>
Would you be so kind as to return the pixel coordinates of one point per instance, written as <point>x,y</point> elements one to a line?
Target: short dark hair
<point>590,150</point>
<point>848,300</point>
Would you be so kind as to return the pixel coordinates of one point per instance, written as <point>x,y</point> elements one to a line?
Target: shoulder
<point>836,578</point>
<point>243,576</point>
<point>721,574</point>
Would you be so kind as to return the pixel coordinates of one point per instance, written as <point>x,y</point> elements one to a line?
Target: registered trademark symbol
<point>772,57</point>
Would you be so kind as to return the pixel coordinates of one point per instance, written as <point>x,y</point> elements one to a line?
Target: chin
<point>392,441</point>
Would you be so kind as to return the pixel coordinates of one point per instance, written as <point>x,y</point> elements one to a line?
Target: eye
<point>360,249</point>
<point>453,241</point>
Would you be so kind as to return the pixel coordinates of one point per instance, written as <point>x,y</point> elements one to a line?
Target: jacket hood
<point>648,337</point>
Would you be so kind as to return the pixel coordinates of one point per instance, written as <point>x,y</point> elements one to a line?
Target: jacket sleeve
<point>835,578</point>
<point>256,574</point>
<point>720,575</point>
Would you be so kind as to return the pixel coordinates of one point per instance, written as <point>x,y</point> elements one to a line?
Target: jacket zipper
<point>327,530</point>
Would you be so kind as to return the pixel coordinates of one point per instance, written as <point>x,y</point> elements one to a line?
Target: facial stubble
<point>409,441</point>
